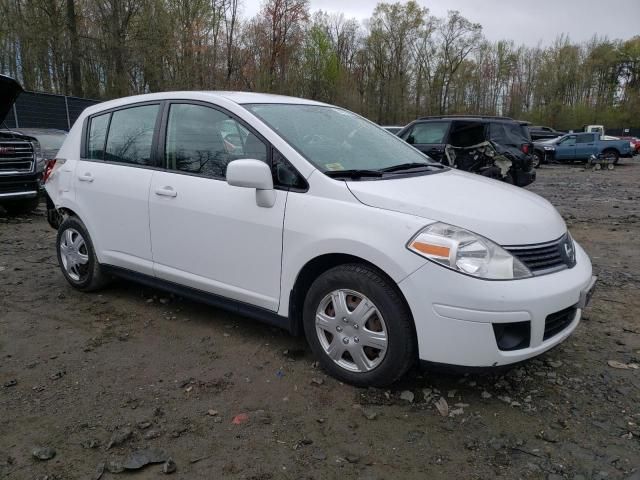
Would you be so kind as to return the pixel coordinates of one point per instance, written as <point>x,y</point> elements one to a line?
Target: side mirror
<point>248,173</point>
<point>411,140</point>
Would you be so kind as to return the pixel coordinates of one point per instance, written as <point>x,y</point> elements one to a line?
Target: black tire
<point>90,275</point>
<point>22,207</point>
<point>611,155</point>
<point>537,158</point>
<point>382,292</point>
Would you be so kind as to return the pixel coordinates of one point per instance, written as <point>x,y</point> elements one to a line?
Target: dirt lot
<point>77,370</point>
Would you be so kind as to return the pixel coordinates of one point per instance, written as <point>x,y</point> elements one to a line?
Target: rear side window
<point>130,135</point>
<point>202,141</point>
<point>97,136</point>
<point>584,138</point>
<point>507,133</point>
<point>432,132</point>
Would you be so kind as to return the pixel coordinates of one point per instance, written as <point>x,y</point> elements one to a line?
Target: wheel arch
<point>316,267</point>
<point>73,210</point>
<point>611,149</point>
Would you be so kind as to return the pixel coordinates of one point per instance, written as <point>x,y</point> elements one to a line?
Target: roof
<point>203,95</point>
<point>466,117</point>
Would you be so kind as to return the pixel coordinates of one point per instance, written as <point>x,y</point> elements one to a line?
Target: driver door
<point>207,234</point>
<point>566,148</point>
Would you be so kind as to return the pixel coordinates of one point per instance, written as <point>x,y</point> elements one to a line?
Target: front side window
<point>335,140</point>
<point>568,141</point>
<point>427,133</point>
<point>131,135</point>
<point>97,136</point>
<point>202,140</point>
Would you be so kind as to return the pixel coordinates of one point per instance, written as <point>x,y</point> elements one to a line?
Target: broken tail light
<point>48,169</point>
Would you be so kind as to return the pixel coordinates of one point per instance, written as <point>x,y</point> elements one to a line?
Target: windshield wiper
<point>410,166</point>
<point>353,173</point>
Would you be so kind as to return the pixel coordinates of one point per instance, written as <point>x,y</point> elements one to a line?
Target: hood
<point>9,92</point>
<point>547,141</point>
<point>503,213</point>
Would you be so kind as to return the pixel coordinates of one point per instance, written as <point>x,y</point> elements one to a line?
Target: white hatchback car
<point>311,218</point>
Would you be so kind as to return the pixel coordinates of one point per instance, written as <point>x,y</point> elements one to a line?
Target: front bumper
<point>455,315</point>
<point>18,187</point>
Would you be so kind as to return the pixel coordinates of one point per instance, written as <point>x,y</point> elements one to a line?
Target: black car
<point>496,147</point>
<point>543,133</point>
<point>20,171</point>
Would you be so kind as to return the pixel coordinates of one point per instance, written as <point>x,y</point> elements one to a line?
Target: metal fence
<point>45,110</point>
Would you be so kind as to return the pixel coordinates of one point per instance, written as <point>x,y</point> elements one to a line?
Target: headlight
<point>549,148</point>
<point>466,252</point>
<point>37,150</point>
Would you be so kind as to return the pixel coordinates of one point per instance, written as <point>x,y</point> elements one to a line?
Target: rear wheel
<point>22,207</point>
<point>76,256</point>
<point>358,326</point>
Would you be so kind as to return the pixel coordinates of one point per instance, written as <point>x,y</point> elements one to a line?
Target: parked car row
<point>23,155</point>
<point>481,144</point>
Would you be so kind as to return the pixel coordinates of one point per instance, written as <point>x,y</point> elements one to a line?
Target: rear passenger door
<point>428,137</point>
<point>207,234</point>
<point>585,145</point>
<point>112,184</point>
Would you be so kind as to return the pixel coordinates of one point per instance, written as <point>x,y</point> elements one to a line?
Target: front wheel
<point>76,256</point>
<point>358,326</point>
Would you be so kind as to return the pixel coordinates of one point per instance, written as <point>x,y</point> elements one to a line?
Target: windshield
<point>334,139</point>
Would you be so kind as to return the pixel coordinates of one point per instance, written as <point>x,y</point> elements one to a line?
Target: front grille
<point>16,157</point>
<point>556,322</point>
<point>20,183</point>
<point>542,258</point>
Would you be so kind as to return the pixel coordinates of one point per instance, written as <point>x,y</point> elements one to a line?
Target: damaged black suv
<point>496,147</point>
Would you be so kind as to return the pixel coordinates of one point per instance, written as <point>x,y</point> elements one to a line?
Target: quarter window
<point>97,136</point>
<point>203,140</point>
<point>131,135</point>
<point>285,175</point>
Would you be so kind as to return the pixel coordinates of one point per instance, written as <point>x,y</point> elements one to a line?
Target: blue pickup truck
<point>579,147</point>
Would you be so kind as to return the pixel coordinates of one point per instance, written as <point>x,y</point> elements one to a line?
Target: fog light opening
<point>512,336</point>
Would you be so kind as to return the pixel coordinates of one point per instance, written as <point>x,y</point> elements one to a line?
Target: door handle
<point>86,178</point>
<point>166,192</point>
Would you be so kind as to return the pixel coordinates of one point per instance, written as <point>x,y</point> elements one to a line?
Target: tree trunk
<point>76,72</point>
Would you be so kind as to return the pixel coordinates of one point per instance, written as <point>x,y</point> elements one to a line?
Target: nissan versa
<point>311,218</point>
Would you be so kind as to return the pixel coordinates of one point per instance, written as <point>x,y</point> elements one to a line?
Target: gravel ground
<point>97,377</point>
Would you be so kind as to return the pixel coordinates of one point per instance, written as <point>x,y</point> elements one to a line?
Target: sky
<point>523,21</point>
